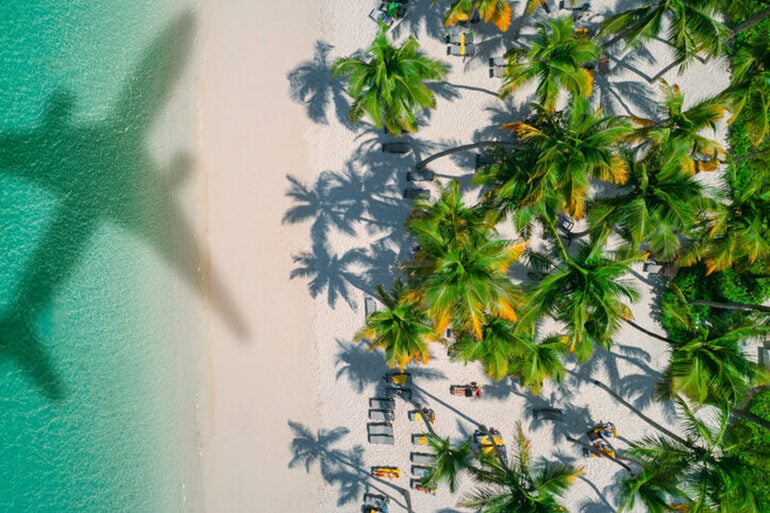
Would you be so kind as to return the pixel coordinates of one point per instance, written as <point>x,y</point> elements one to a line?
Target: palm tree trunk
<point>444,153</point>
<point>732,306</point>
<point>641,415</point>
<point>751,418</point>
<point>616,460</point>
<point>749,22</point>
<point>650,333</point>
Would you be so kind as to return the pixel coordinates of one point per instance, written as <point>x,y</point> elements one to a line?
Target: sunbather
<point>470,390</point>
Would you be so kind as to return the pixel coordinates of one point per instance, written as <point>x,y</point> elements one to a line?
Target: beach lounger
<point>420,438</point>
<point>470,390</point>
<point>422,458</point>
<point>398,379</point>
<point>378,414</point>
<point>416,415</point>
<point>415,193</point>
<point>378,16</point>
<point>419,176</point>
<point>396,147</point>
<point>379,428</point>
<point>387,472</point>
<point>369,306</point>
<point>461,50</point>
<point>496,67</point>
<point>459,39</point>
<point>376,501</point>
<point>420,470</point>
<point>381,439</point>
<point>416,484</point>
<point>547,413</point>
<point>382,403</point>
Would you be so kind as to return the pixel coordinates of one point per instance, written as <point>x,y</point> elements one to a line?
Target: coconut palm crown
<point>556,60</point>
<point>388,83</point>
<point>496,11</point>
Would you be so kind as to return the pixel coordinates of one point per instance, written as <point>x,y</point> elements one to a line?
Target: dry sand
<point>296,361</point>
<point>251,137</point>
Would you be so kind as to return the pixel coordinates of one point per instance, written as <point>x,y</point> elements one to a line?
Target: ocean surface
<point>99,275</point>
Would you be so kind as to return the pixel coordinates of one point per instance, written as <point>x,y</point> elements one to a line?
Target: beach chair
<point>379,428</point>
<point>369,306</point>
<point>416,484</point>
<point>386,472</point>
<point>465,50</point>
<point>415,193</point>
<point>496,67</point>
<point>419,176</point>
<point>422,458</point>
<point>417,415</point>
<point>419,438</point>
<point>470,390</point>
<point>381,439</point>
<point>398,379</point>
<point>396,147</point>
<point>377,16</point>
<point>547,414</point>
<point>599,449</point>
<point>460,39</point>
<point>602,430</point>
<point>382,403</point>
<point>377,501</point>
<point>378,414</point>
<point>420,470</point>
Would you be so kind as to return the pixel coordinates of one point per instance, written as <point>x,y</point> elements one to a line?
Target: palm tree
<point>706,470</point>
<point>521,487</point>
<point>496,11</point>
<point>585,291</point>
<point>388,83</point>
<point>448,461</point>
<point>748,96</point>
<point>680,130</point>
<point>656,207</point>
<point>571,148</point>
<point>707,364</point>
<point>543,360</point>
<point>402,328</point>
<point>556,59</point>
<point>691,24</point>
<point>739,228</point>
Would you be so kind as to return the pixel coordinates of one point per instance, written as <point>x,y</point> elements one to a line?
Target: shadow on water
<point>343,468</point>
<point>101,172</point>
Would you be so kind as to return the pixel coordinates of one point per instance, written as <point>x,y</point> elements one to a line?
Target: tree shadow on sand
<point>102,172</point>
<point>339,467</point>
<point>312,85</point>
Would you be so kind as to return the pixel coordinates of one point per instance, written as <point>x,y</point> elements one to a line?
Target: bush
<point>754,438</point>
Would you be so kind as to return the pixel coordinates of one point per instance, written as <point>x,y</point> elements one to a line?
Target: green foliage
<point>755,439</point>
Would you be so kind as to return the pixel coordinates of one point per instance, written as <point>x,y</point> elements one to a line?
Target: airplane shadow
<point>101,172</point>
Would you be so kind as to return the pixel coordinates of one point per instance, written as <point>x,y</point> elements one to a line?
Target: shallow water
<point>97,255</point>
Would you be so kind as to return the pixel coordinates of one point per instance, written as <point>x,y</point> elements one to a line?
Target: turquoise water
<point>94,412</point>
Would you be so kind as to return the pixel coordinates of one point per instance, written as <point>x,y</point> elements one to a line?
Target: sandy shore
<point>294,359</point>
<point>259,375</point>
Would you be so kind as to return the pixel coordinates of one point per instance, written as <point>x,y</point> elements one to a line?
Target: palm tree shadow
<point>312,84</point>
<point>102,172</point>
<point>359,365</point>
<point>344,468</point>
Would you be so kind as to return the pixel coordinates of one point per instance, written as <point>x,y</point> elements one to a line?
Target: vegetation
<point>388,83</point>
<point>498,12</point>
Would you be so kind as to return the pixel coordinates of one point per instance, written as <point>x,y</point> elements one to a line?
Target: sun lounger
<point>496,67</point>
<point>419,176</point>
<point>415,193</point>
<point>416,484</point>
<point>387,472</point>
<point>420,470</point>
<point>381,439</point>
<point>376,501</point>
<point>460,39</point>
<point>420,438</point>
<point>416,415</point>
<point>422,458</point>
<point>396,147</point>
<point>471,390</point>
<point>369,306</point>
<point>398,379</point>
<point>547,413</point>
<point>379,428</point>
<point>381,415</point>
<point>378,16</point>
<point>382,403</point>
<point>465,50</point>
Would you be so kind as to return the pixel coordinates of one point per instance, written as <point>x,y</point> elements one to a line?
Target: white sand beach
<point>295,361</point>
